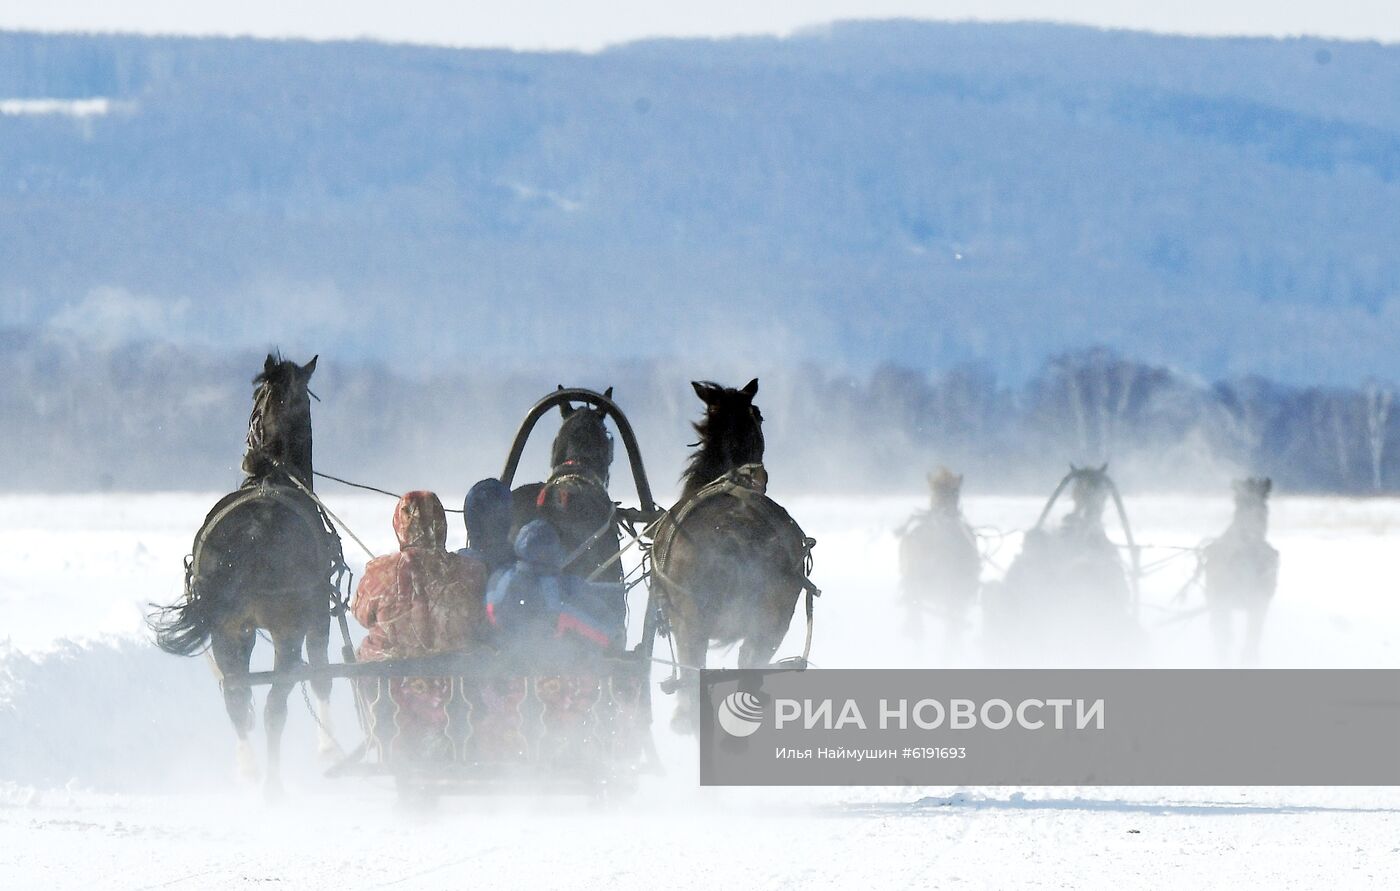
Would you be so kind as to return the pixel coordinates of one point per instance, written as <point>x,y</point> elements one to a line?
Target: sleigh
<point>550,720</point>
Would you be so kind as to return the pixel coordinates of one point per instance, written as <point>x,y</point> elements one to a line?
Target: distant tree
<point>1098,393</point>
<point>1379,397</point>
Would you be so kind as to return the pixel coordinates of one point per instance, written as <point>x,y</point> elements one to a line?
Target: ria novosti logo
<point>740,714</point>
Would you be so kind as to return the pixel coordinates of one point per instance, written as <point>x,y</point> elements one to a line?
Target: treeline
<point>1165,428</point>
<point>156,417</point>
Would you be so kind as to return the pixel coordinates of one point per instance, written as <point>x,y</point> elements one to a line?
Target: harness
<point>573,472</point>
<point>1134,552</point>
<point>745,484</point>
<point>302,505</point>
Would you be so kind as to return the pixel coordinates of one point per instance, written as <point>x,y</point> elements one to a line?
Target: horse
<point>264,558</point>
<point>574,499</point>
<point>1241,569</point>
<point>727,562</point>
<point>939,560</point>
<point>1068,589</point>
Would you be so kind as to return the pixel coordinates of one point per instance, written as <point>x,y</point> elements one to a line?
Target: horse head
<point>279,428</point>
<point>1252,504</point>
<point>1090,489</point>
<point>731,433</point>
<point>945,490</point>
<point>583,441</point>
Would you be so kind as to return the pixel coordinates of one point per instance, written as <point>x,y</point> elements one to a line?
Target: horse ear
<point>608,392</point>
<point>704,390</point>
<point>751,388</point>
<point>1267,487</point>
<point>566,409</point>
<point>310,367</point>
<point>960,479</point>
<point>1103,468</point>
<point>269,364</point>
<point>1072,468</point>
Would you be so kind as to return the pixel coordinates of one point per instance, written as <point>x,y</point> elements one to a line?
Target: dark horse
<point>1067,592</point>
<point>575,498</point>
<point>728,564</point>
<point>1241,569</point>
<point>264,558</point>
<point>940,563</point>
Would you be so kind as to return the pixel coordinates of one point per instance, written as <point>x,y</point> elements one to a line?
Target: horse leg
<point>1220,630</point>
<point>1254,630</point>
<point>758,648</point>
<point>288,655</point>
<point>318,641</point>
<point>771,625</point>
<point>953,624</point>
<point>231,653</point>
<point>691,649</point>
<point>913,619</point>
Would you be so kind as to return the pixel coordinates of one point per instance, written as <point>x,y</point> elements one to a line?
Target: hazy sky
<point>572,24</point>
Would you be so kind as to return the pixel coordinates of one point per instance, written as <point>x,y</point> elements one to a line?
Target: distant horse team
<point>727,564</point>
<point>1068,592</point>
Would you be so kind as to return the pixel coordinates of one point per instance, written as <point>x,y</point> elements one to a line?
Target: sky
<point>571,24</point>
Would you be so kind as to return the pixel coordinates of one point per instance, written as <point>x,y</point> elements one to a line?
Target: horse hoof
<point>330,752</point>
<point>247,764</point>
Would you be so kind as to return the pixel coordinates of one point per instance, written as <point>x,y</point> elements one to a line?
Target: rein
<point>593,539</point>
<point>368,488</point>
<point>306,490</point>
<point>573,469</point>
<point>339,604</point>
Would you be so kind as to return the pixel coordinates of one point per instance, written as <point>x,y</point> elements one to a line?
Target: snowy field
<point>116,761</point>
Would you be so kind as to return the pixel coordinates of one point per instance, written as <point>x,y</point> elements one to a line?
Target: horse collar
<point>574,467</point>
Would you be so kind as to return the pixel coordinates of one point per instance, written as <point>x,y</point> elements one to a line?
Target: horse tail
<point>184,628</point>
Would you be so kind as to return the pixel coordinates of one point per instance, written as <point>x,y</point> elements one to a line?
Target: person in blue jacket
<point>533,602</point>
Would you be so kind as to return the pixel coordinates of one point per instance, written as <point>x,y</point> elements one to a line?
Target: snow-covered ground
<point>116,761</point>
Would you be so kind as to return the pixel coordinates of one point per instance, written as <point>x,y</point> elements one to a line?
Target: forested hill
<point>911,193</point>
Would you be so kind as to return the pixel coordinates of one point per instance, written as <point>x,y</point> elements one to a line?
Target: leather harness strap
<point>283,495</point>
<point>747,485</point>
<point>740,484</point>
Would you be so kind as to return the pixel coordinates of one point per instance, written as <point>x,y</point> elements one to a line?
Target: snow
<point>116,761</point>
<point>74,108</point>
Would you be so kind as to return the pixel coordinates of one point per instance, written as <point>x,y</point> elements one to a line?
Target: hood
<point>420,521</point>
<point>538,543</point>
<point>487,514</point>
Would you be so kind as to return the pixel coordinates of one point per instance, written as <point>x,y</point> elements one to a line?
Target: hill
<point>905,193</point>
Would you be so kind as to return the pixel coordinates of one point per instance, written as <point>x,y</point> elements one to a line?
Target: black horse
<point>575,498</point>
<point>940,562</point>
<point>728,563</point>
<point>1241,569</point>
<point>264,558</point>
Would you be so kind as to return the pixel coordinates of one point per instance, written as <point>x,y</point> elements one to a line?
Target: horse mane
<point>289,447</point>
<point>1251,515</point>
<point>717,450</point>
